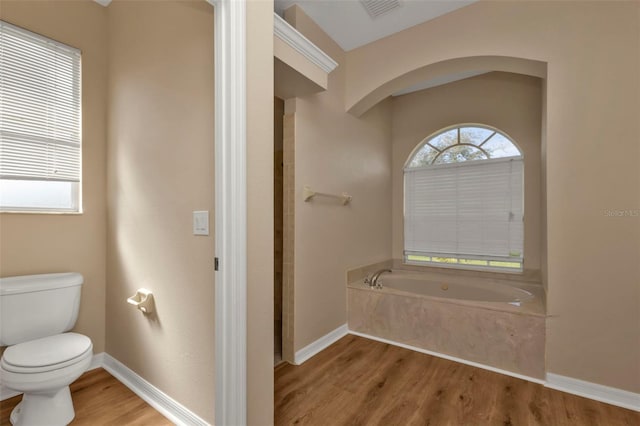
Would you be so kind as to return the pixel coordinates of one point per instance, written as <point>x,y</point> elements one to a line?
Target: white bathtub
<point>446,289</point>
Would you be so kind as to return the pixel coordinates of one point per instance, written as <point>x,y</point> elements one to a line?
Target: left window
<point>40,130</point>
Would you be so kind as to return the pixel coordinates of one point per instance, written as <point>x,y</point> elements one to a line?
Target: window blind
<point>39,107</point>
<point>472,209</point>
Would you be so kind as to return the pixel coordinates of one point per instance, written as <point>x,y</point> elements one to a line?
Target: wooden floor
<point>358,381</point>
<point>100,399</point>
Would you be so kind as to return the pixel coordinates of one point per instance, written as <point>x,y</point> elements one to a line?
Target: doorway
<point>278,227</point>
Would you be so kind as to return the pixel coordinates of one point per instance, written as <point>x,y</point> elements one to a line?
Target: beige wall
<point>336,152</point>
<point>509,102</point>
<point>43,243</point>
<point>160,169</point>
<point>592,101</point>
<point>259,212</point>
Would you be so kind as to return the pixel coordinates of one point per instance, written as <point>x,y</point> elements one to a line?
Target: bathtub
<point>447,289</point>
<point>491,322</point>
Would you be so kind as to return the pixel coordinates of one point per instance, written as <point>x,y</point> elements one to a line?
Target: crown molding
<point>285,32</point>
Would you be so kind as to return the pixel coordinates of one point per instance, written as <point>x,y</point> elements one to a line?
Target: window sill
<point>463,267</point>
<point>47,212</point>
<point>526,276</point>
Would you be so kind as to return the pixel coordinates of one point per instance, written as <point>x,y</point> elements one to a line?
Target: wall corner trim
<point>606,394</point>
<point>322,343</point>
<point>163,403</point>
<point>288,34</point>
<point>97,361</point>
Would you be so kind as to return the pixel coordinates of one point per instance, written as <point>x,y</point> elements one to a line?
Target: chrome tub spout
<point>373,279</point>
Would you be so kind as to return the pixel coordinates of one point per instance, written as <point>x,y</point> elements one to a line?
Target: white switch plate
<point>201,222</point>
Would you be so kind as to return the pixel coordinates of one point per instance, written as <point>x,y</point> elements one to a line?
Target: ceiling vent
<point>376,8</point>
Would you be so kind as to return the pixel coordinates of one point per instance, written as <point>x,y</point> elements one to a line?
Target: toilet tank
<point>35,306</point>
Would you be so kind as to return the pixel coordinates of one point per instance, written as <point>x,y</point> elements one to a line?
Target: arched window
<point>464,200</point>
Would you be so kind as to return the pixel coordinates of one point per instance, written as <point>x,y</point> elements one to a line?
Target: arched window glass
<point>464,143</point>
<point>464,200</point>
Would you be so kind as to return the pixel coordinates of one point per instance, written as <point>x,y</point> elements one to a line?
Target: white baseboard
<point>180,415</point>
<point>450,358</point>
<point>310,350</point>
<point>97,361</point>
<point>606,394</point>
<point>162,402</point>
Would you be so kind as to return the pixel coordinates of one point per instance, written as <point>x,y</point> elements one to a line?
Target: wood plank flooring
<point>358,381</point>
<point>100,399</point>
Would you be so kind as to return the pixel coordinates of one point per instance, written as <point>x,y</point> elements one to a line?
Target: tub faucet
<point>373,281</point>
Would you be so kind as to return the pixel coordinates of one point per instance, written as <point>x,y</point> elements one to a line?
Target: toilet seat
<point>46,354</point>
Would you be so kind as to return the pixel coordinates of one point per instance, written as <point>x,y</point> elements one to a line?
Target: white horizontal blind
<point>39,107</point>
<point>472,209</point>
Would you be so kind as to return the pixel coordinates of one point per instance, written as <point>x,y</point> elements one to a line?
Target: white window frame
<point>461,260</point>
<point>75,189</point>
<point>43,169</point>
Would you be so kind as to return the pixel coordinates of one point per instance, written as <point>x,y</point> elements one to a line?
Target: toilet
<point>42,357</point>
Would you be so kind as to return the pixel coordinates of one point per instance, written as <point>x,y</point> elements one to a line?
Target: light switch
<point>201,222</point>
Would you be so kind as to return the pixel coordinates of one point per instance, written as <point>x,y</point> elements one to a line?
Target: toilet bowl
<point>42,358</point>
<point>43,369</point>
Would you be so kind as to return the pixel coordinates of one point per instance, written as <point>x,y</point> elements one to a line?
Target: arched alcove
<point>510,102</point>
<point>446,70</point>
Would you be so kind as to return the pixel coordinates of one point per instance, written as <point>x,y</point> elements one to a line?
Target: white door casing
<point>230,213</point>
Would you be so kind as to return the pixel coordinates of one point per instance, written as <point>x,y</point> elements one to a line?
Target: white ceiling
<point>348,23</point>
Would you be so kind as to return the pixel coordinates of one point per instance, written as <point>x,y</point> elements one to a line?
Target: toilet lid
<point>48,351</point>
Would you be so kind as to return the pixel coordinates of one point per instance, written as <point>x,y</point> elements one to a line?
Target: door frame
<point>230,213</point>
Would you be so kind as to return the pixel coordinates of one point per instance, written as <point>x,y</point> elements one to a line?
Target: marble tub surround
<point>512,340</point>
